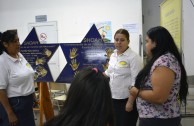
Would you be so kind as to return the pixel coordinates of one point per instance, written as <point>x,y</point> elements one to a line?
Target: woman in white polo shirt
<point>16,83</point>
<point>123,67</point>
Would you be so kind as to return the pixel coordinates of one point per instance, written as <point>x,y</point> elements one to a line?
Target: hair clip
<point>95,69</point>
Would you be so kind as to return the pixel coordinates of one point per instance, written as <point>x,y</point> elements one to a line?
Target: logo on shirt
<point>122,64</point>
<point>28,65</point>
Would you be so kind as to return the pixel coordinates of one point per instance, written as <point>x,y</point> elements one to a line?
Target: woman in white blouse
<point>16,83</point>
<point>123,67</point>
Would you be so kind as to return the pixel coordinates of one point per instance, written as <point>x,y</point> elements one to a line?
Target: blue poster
<point>38,56</point>
<point>92,51</point>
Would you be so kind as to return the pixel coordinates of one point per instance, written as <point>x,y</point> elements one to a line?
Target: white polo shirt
<point>16,76</point>
<point>122,71</point>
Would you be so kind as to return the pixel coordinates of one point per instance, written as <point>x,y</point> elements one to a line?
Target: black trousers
<point>22,107</point>
<point>160,122</point>
<point>124,118</point>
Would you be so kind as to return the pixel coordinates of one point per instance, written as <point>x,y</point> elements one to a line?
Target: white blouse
<point>122,71</point>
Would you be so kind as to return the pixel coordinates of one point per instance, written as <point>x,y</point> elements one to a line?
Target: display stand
<point>45,103</point>
<point>40,85</point>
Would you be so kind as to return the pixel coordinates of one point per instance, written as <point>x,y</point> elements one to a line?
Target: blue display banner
<point>92,51</point>
<point>38,55</point>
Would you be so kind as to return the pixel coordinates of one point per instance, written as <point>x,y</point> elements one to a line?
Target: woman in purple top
<point>161,86</point>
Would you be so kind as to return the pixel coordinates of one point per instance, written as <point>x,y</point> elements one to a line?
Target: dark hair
<point>88,101</point>
<point>1,44</point>
<point>122,31</point>
<point>7,36</point>
<point>164,43</point>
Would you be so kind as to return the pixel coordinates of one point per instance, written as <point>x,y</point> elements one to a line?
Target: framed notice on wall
<point>170,18</point>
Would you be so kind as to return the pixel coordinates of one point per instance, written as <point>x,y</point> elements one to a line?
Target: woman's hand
<point>134,91</point>
<point>129,106</point>
<point>12,118</point>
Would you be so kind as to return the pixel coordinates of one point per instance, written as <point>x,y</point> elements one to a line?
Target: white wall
<point>188,36</point>
<point>73,16</point>
<point>151,13</point>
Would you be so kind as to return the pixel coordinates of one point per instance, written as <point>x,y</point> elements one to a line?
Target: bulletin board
<point>170,18</point>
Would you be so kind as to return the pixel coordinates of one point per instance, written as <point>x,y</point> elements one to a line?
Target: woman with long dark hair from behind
<point>161,86</point>
<point>88,101</point>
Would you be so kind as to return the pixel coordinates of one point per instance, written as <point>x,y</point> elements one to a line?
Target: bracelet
<point>130,87</point>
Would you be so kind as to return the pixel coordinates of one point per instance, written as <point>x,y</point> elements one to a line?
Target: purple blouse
<point>171,108</point>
